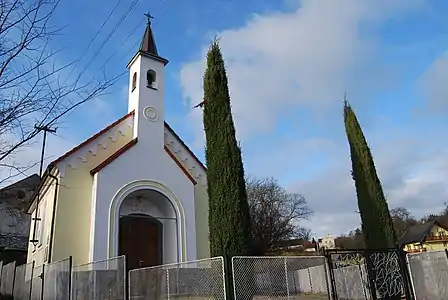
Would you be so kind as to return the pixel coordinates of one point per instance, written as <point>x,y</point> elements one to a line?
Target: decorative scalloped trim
<point>185,158</point>
<point>82,155</point>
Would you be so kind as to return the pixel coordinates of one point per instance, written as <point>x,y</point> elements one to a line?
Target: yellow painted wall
<point>45,208</point>
<point>202,229</point>
<point>437,229</point>
<point>436,245</point>
<point>431,245</point>
<point>74,206</point>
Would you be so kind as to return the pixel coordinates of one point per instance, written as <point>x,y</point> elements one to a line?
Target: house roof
<point>29,182</point>
<point>13,241</point>
<point>19,194</point>
<point>418,233</point>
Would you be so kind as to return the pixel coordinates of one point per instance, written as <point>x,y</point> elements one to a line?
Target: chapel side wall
<point>37,254</point>
<point>74,206</point>
<point>202,228</point>
<point>73,213</point>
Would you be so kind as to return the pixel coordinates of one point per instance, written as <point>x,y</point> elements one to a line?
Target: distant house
<point>297,245</point>
<point>327,242</point>
<point>429,236</point>
<point>14,221</point>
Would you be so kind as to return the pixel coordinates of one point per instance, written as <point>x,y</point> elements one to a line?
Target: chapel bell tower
<point>146,91</point>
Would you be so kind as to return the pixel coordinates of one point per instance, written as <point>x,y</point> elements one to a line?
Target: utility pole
<point>36,218</point>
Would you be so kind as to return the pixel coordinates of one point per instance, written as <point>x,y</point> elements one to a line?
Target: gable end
<point>111,158</point>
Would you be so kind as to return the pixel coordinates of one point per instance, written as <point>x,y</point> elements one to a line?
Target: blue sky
<point>289,64</point>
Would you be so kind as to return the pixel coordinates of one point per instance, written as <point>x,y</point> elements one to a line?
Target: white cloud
<point>411,177</point>
<point>309,58</point>
<point>433,84</point>
<point>306,57</point>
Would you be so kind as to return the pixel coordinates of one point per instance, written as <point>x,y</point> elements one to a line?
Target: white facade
<point>327,242</point>
<point>112,183</point>
<point>137,167</point>
<point>148,167</point>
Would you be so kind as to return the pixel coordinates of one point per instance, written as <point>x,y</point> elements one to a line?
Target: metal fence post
<point>408,265</point>
<point>13,280</point>
<point>1,271</point>
<point>286,277</point>
<point>168,284</point>
<point>309,278</point>
<point>31,280</point>
<point>332,286</point>
<point>233,277</point>
<point>70,265</point>
<point>42,278</point>
<point>406,274</point>
<point>371,274</point>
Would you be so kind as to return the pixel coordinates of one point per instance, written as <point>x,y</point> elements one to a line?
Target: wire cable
<point>131,6</point>
<point>95,36</point>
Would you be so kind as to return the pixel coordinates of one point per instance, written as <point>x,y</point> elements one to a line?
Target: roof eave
<point>51,167</point>
<point>148,55</point>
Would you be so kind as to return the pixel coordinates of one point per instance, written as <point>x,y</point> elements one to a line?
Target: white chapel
<point>134,188</point>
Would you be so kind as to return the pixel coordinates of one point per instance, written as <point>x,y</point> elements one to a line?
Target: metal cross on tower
<point>149,16</point>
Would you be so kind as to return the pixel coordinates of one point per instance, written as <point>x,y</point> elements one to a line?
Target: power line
<point>133,4</point>
<point>122,43</point>
<point>95,36</point>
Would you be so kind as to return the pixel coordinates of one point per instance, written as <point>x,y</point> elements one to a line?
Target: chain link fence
<point>200,279</point>
<point>22,281</point>
<point>429,274</point>
<point>279,277</point>
<point>7,279</point>
<point>105,279</point>
<point>57,280</point>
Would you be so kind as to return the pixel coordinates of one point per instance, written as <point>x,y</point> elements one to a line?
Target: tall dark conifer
<point>229,218</point>
<point>377,225</point>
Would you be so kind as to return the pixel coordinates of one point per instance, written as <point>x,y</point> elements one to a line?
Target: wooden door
<point>140,239</point>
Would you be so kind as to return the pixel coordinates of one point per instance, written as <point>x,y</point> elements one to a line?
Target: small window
<point>134,81</point>
<point>151,79</point>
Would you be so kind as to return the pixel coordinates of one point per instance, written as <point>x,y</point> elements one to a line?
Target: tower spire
<point>148,44</point>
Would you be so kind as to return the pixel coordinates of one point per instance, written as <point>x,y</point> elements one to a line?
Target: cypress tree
<point>377,225</point>
<point>229,218</point>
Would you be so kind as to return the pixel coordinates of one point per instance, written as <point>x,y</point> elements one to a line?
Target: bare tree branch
<point>32,91</point>
<point>275,213</point>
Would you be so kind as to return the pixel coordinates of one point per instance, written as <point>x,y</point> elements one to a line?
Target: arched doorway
<point>140,239</point>
<point>147,231</point>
